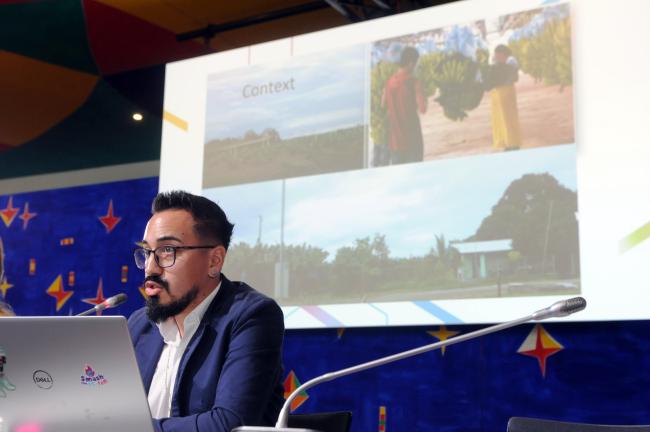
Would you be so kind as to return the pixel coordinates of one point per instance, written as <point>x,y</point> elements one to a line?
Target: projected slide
<point>391,234</point>
<point>418,169</point>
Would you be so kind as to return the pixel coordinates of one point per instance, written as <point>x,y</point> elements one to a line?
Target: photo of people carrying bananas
<point>493,85</point>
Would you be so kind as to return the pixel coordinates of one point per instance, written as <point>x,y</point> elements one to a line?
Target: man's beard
<point>158,313</point>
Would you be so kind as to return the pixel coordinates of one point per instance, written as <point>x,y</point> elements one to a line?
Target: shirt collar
<point>169,330</point>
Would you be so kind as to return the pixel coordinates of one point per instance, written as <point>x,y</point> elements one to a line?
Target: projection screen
<point>467,163</point>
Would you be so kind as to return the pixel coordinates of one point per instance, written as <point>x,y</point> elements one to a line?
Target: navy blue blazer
<point>230,373</point>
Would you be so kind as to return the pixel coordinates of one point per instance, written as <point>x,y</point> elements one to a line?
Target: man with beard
<point>209,350</point>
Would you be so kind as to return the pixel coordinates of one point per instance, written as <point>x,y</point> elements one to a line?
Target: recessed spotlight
<point>137,116</point>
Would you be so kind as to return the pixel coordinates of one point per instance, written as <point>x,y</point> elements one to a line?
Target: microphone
<point>110,302</point>
<point>561,308</point>
<point>558,309</point>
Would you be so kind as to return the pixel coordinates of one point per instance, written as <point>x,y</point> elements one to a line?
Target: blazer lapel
<point>148,352</point>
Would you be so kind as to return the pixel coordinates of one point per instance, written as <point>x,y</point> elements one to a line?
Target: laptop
<point>69,374</point>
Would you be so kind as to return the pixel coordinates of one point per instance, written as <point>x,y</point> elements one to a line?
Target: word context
<point>271,87</point>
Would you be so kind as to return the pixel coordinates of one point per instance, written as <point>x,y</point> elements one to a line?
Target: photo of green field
<point>285,120</point>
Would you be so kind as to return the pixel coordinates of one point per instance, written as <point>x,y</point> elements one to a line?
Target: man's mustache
<point>157,280</point>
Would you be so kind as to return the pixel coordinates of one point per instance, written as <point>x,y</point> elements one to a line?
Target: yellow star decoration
<point>4,286</point>
<point>144,294</point>
<point>443,334</point>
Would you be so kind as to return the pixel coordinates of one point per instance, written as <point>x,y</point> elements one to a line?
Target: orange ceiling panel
<point>36,96</point>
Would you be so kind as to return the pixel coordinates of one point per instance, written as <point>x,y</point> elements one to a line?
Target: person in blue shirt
<point>209,349</point>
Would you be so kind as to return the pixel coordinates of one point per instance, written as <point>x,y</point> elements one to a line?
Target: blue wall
<point>601,375</point>
<point>95,253</point>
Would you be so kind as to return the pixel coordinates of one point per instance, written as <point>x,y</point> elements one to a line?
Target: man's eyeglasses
<point>165,256</point>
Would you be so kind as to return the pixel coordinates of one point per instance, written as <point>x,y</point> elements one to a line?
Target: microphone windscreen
<point>116,300</point>
<point>573,305</point>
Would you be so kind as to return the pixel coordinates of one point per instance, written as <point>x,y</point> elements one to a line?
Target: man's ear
<point>217,257</point>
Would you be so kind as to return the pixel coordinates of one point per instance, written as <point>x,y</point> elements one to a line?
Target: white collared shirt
<point>164,379</point>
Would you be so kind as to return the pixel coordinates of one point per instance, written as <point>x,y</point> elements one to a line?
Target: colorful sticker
<point>5,384</point>
<point>90,377</point>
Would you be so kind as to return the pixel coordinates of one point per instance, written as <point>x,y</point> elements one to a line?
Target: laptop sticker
<point>90,377</point>
<point>5,384</point>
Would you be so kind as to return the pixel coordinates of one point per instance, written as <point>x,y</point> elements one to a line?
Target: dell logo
<point>43,379</point>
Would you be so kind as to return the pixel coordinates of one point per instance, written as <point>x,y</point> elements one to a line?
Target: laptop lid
<point>70,374</point>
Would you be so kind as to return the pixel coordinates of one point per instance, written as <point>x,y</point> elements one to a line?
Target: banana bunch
<point>547,55</point>
<point>426,71</point>
<point>562,43</point>
<point>458,80</point>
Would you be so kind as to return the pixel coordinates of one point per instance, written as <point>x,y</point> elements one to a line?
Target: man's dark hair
<point>409,56</point>
<point>503,49</point>
<point>211,221</point>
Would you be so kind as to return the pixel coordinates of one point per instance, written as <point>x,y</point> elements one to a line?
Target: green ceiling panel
<point>53,31</point>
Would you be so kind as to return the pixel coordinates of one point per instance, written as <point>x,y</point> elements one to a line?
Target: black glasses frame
<point>147,253</point>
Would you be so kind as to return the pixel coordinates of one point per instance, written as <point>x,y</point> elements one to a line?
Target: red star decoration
<point>26,216</point>
<point>8,214</point>
<point>99,298</point>
<point>541,353</point>
<point>109,220</point>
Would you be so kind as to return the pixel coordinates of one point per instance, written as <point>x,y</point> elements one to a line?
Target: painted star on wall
<point>142,291</point>
<point>26,216</point>
<point>291,383</point>
<point>99,297</point>
<point>4,286</point>
<point>109,220</point>
<point>8,214</point>
<point>442,334</point>
<point>541,345</point>
<point>57,291</point>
